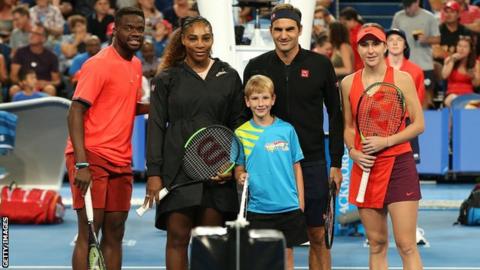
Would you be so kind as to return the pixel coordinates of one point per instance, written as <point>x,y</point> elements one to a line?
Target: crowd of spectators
<point>53,38</point>
<point>44,43</point>
<point>441,42</point>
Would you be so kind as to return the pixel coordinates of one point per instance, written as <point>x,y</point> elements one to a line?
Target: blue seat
<point>462,100</point>
<point>8,124</point>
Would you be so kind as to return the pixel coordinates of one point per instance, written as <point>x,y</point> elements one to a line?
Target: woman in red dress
<point>393,186</point>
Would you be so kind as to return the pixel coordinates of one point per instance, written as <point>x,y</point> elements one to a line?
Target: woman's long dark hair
<point>338,34</point>
<point>175,52</point>
<point>471,57</point>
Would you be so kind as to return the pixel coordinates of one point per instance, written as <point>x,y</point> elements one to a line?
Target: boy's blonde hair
<point>259,84</point>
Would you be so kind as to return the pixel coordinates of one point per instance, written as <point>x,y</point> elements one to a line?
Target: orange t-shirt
<point>112,87</point>
<point>417,75</point>
<point>380,172</point>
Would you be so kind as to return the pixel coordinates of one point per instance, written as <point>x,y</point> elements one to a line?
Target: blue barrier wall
<point>139,139</point>
<point>434,143</point>
<point>466,141</point>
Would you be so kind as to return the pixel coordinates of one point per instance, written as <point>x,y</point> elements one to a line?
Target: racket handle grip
<point>142,210</point>
<point>241,214</point>
<point>164,192</point>
<point>363,187</point>
<point>88,205</point>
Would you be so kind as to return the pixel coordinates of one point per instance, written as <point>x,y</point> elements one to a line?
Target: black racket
<point>380,112</point>
<point>95,257</point>
<point>330,215</point>
<point>209,151</point>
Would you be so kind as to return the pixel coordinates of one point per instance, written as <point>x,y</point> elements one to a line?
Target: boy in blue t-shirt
<point>28,84</point>
<point>271,157</point>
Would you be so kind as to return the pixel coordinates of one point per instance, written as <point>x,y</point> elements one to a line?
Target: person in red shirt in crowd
<point>350,18</point>
<point>99,152</point>
<point>461,70</point>
<point>397,57</point>
<point>469,15</point>
<point>393,186</point>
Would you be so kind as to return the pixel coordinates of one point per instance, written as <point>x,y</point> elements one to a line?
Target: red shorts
<point>404,184</point>
<point>111,185</point>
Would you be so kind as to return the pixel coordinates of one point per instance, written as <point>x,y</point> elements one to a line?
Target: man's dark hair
<point>24,73</point>
<point>40,25</point>
<point>128,11</point>
<point>407,3</point>
<point>319,40</point>
<point>21,10</point>
<point>349,13</point>
<point>288,7</point>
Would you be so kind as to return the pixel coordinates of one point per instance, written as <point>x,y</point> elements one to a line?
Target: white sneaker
<point>420,237</point>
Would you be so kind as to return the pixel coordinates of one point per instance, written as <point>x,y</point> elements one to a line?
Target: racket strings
<point>330,216</point>
<point>96,261</point>
<point>212,151</point>
<point>380,111</point>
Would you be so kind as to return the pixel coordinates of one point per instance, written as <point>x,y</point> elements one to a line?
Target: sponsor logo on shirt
<point>277,146</point>
<point>305,73</point>
<point>220,73</point>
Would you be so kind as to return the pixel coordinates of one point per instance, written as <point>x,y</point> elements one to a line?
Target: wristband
<point>81,165</point>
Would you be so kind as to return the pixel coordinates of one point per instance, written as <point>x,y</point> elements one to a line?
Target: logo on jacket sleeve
<point>305,73</point>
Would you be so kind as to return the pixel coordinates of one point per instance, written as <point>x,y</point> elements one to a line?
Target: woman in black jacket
<point>192,91</point>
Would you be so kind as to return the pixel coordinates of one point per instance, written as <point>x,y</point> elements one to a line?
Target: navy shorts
<point>315,181</point>
<point>291,224</point>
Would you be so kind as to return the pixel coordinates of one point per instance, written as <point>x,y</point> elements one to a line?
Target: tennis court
<point>448,247</point>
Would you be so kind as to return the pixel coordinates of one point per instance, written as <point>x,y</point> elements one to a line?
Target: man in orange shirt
<point>100,121</point>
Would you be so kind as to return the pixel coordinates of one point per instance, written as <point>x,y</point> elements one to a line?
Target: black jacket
<point>181,103</point>
<point>301,89</point>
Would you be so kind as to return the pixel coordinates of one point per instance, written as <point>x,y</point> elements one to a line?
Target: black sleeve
<point>157,120</point>
<point>238,107</point>
<point>247,72</point>
<point>335,117</point>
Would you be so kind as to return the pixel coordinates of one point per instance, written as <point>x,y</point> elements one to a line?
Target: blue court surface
<point>448,246</point>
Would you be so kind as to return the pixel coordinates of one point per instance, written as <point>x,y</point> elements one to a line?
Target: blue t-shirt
<point>78,62</point>
<point>19,96</point>
<point>268,155</point>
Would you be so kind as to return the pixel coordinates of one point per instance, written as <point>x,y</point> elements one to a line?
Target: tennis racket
<point>209,151</point>
<point>380,112</point>
<point>95,257</point>
<point>330,215</point>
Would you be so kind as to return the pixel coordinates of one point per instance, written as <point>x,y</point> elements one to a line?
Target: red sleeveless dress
<point>382,169</point>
